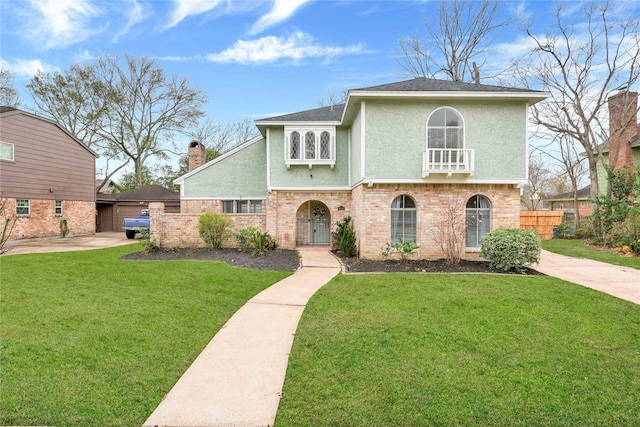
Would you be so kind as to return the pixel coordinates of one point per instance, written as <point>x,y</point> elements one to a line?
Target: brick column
<point>156,214</point>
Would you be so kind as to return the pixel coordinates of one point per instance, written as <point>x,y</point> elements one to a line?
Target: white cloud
<point>134,13</point>
<point>60,23</point>
<point>281,11</point>
<point>27,67</point>
<point>271,49</point>
<point>184,8</point>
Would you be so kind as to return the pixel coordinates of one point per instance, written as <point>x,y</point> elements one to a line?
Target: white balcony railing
<point>447,161</point>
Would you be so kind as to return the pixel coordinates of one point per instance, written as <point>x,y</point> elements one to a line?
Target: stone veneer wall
<point>283,207</point>
<point>168,230</point>
<point>372,213</point>
<point>43,222</point>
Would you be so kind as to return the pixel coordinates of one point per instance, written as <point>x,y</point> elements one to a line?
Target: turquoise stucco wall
<point>301,175</point>
<point>396,137</point>
<point>356,152</point>
<point>242,174</point>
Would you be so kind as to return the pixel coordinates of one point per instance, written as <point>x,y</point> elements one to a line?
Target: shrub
<point>403,248</point>
<point>253,238</point>
<point>509,249</point>
<point>262,242</point>
<point>345,236</point>
<point>64,227</point>
<point>244,238</point>
<point>213,228</point>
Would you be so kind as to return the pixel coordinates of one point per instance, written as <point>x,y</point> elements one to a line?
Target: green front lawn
<point>463,350</point>
<point>90,340</point>
<point>576,248</point>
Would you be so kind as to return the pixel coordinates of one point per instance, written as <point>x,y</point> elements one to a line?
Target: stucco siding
<point>242,174</point>
<point>299,176</point>
<point>356,152</point>
<point>396,136</point>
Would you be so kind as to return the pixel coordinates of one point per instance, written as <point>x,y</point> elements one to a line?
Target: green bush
<point>404,248</point>
<point>244,237</point>
<point>345,236</point>
<point>253,238</point>
<point>213,228</point>
<point>510,249</point>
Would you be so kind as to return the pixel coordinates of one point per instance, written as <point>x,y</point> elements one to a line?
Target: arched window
<point>310,145</point>
<point>445,129</point>
<point>478,213</point>
<point>325,145</point>
<point>295,145</point>
<point>403,220</point>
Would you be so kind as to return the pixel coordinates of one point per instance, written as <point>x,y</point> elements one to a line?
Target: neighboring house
<point>401,159</point>
<point>623,147</point>
<point>46,175</point>
<point>113,208</point>
<point>565,202</point>
<point>108,187</point>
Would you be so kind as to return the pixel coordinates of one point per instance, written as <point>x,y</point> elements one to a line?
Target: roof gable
<point>7,112</point>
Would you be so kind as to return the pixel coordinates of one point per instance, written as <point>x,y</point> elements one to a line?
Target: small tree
<point>345,236</point>
<point>214,228</point>
<point>8,222</point>
<point>450,233</point>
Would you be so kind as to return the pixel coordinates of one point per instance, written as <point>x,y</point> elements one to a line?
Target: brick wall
<point>370,208</point>
<point>170,230</point>
<point>43,222</point>
<point>281,217</point>
<point>373,213</point>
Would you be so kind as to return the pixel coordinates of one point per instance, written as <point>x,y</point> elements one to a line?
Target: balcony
<point>448,161</point>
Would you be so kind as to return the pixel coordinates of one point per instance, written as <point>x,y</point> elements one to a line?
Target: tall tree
<point>582,65</point>
<point>455,44</point>
<point>129,109</point>
<point>9,96</point>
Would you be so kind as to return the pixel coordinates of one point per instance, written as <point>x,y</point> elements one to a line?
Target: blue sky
<point>251,58</point>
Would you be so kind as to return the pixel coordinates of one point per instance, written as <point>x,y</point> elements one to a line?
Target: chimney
<point>623,127</point>
<point>197,155</point>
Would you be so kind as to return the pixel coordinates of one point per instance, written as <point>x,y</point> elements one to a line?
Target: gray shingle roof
<point>423,84</point>
<point>420,84</point>
<point>324,114</point>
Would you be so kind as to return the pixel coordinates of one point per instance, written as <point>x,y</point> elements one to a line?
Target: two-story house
<point>46,176</point>
<point>401,159</point>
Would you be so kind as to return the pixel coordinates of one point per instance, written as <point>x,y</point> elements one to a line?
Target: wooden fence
<point>543,221</point>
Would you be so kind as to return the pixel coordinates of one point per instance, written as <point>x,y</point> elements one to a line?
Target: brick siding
<point>43,222</point>
<point>370,208</point>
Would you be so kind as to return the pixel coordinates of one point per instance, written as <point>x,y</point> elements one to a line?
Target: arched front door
<point>313,224</point>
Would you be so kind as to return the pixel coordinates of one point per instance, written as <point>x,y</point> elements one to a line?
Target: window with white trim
<point>58,207</point>
<point>403,220</point>
<point>478,215</point>
<point>445,129</point>
<point>23,207</point>
<point>241,206</point>
<point>6,151</point>
<point>310,146</point>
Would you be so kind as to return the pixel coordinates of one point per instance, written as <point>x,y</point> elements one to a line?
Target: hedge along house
<point>400,159</point>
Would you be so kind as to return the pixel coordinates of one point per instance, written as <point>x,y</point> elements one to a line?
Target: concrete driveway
<point>69,243</point>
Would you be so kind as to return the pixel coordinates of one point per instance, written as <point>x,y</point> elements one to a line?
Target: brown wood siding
<point>48,163</point>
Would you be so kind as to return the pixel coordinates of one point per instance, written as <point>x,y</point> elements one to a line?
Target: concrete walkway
<point>622,282</point>
<point>237,379</point>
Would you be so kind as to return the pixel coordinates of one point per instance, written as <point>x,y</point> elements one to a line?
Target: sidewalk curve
<point>622,282</point>
<point>237,379</point>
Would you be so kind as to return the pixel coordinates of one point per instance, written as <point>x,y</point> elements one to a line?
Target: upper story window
<point>445,129</point>
<point>6,151</point>
<point>310,146</point>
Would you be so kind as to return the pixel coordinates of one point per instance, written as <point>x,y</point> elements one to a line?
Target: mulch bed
<point>289,260</point>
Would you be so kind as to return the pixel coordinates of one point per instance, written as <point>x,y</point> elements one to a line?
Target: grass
<point>577,248</point>
<point>91,340</point>
<point>463,350</point>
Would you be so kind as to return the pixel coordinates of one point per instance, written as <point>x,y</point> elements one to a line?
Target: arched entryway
<point>313,224</point>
